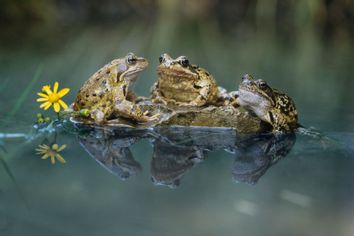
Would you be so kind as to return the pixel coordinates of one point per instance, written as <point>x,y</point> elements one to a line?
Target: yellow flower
<point>50,97</point>
<point>52,152</point>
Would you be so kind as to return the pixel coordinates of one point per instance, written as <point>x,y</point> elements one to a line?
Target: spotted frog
<point>107,93</point>
<point>270,105</point>
<point>183,84</point>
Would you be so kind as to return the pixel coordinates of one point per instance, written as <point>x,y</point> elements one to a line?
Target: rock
<point>212,116</point>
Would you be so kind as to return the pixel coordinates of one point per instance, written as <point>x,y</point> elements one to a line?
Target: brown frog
<point>270,105</point>
<point>107,93</point>
<point>183,84</point>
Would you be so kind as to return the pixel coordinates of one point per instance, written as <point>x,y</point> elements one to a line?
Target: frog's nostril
<point>246,78</point>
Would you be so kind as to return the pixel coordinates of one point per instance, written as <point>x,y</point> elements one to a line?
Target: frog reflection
<point>255,156</point>
<point>182,148</point>
<point>171,162</point>
<point>111,150</point>
<point>176,150</point>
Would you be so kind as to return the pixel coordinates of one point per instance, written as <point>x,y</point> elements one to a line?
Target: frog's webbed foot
<point>133,111</point>
<point>146,118</point>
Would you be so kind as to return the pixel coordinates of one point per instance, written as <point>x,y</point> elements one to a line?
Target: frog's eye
<point>184,61</point>
<point>262,84</point>
<point>131,59</point>
<point>161,59</point>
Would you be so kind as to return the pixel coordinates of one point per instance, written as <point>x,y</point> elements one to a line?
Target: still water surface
<point>308,190</point>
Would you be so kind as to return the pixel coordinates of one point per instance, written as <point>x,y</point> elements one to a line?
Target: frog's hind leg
<point>205,93</point>
<point>133,111</point>
<point>98,116</point>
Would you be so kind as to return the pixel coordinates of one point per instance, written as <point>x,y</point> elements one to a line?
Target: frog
<point>269,104</point>
<point>183,84</point>
<point>107,93</point>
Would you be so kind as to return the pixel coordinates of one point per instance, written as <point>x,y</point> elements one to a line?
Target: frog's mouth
<point>249,96</point>
<point>165,73</point>
<point>133,75</point>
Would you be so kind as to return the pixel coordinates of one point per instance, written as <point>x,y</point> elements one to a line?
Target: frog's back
<point>184,89</point>
<point>285,111</point>
<point>95,89</point>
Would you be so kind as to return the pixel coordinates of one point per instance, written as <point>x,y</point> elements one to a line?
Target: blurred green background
<point>304,48</point>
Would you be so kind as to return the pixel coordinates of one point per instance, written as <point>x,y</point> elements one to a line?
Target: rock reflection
<point>176,150</point>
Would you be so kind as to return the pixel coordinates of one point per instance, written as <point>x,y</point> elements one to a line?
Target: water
<point>309,191</point>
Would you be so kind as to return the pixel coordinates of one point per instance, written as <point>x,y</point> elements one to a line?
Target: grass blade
<point>12,177</point>
<point>16,107</point>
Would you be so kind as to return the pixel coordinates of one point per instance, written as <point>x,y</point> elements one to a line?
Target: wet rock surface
<point>210,116</point>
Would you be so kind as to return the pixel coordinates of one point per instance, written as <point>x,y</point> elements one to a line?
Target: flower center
<point>53,97</point>
<point>52,153</point>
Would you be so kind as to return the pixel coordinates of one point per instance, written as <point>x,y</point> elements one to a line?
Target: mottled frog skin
<point>270,105</point>
<point>107,93</point>
<point>180,83</point>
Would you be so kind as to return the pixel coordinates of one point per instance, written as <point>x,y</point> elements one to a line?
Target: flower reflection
<point>52,152</point>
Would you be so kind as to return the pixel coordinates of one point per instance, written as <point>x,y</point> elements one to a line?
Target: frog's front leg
<point>156,94</point>
<point>204,94</point>
<point>225,98</point>
<point>133,111</point>
<point>233,99</point>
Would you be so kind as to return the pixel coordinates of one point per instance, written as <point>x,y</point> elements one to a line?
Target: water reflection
<point>170,162</point>
<point>256,155</point>
<point>111,150</point>
<point>176,150</point>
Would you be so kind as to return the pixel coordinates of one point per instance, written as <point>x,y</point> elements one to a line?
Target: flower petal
<point>55,88</point>
<point>45,156</point>
<point>60,158</point>
<point>63,104</point>
<point>47,106</point>
<point>56,107</point>
<point>63,92</point>
<point>41,150</point>
<point>62,148</point>
<point>47,89</point>
<point>42,99</point>
<point>55,147</point>
<point>42,95</point>
<point>44,105</point>
<point>52,159</point>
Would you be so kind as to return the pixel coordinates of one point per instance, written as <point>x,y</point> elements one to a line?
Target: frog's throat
<point>129,75</point>
<point>251,98</point>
